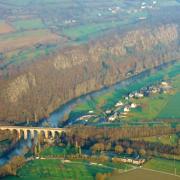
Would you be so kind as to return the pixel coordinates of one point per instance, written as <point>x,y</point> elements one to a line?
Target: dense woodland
<point>109,137</point>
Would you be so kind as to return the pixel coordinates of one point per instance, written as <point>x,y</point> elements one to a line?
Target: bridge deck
<point>33,128</point>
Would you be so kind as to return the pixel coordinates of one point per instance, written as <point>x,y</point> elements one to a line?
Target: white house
<point>126,98</point>
<point>90,112</point>
<point>143,3</point>
<point>108,111</point>
<point>118,104</point>
<point>126,109</point>
<point>99,14</point>
<point>143,7</point>
<point>133,105</point>
<point>139,95</point>
<point>112,118</point>
<point>165,84</point>
<point>131,95</point>
<point>138,162</point>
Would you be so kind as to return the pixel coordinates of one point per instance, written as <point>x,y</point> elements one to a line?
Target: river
<point>58,115</point>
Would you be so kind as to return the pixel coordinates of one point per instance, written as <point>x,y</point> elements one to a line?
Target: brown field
<point>27,39</point>
<point>5,28</point>
<point>142,174</point>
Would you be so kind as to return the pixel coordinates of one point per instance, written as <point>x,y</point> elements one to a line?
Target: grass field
<point>171,110</point>
<point>26,39</point>
<point>56,150</point>
<point>83,32</point>
<point>19,56</point>
<point>151,108</point>
<point>142,174</point>
<point>164,165</point>
<point>28,24</point>
<point>86,31</point>
<point>18,2</point>
<point>161,106</point>
<point>166,139</point>
<point>55,169</point>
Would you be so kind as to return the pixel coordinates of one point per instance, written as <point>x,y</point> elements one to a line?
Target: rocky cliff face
<point>81,69</point>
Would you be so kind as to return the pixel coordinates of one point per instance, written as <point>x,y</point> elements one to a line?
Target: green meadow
<point>57,150</point>
<point>165,139</point>
<point>143,174</point>
<point>28,24</point>
<point>55,169</point>
<point>165,165</point>
<point>161,106</point>
<point>28,54</point>
<point>172,108</point>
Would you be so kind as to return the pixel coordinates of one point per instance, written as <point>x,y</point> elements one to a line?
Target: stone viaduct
<point>33,130</point>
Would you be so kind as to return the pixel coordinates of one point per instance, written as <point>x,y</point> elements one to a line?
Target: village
<point>118,10</point>
<point>126,104</point>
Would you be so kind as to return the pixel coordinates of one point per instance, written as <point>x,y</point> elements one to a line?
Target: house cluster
<point>162,87</point>
<point>122,109</point>
<point>124,106</point>
<point>114,10</point>
<point>87,117</point>
<point>145,5</point>
<point>70,21</point>
<point>132,161</point>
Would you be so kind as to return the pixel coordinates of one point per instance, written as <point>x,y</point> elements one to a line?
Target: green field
<point>161,106</point>
<point>84,32</point>
<point>55,169</point>
<point>28,54</point>
<point>16,35</point>
<point>28,24</point>
<point>143,174</point>
<point>172,108</point>
<point>57,150</point>
<point>166,139</point>
<point>164,165</point>
<point>18,2</point>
